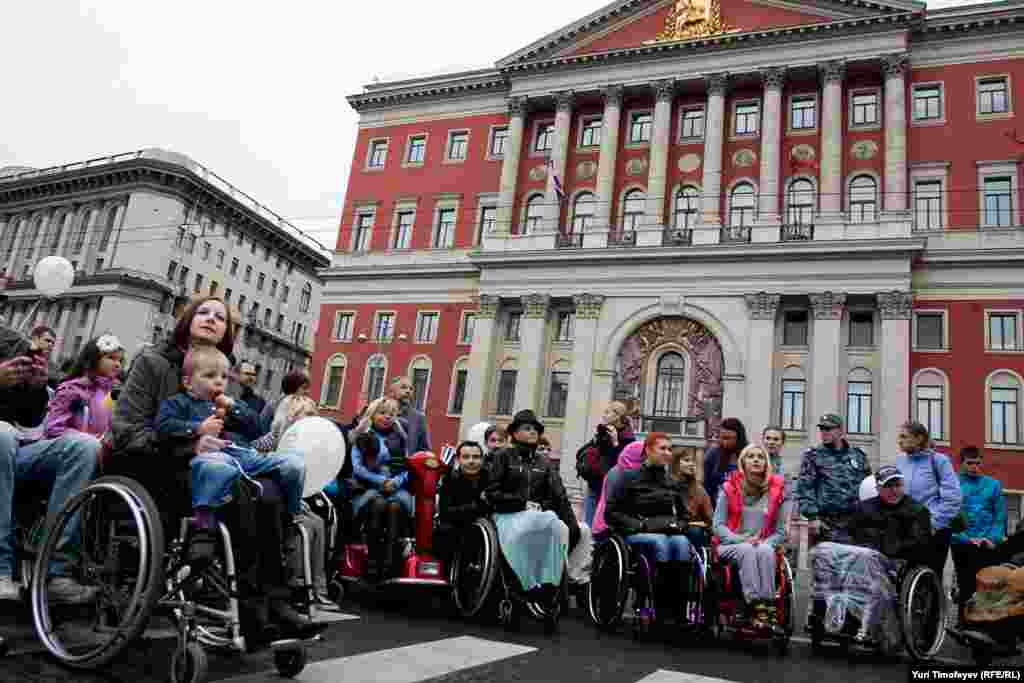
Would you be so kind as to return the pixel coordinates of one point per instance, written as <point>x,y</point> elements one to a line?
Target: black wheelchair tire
<point>484,532</point>
<point>593,598</point>
<point>914,581</point>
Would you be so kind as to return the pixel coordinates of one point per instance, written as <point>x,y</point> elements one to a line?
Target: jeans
<point>590,505</point>
<point>664,548</point>
<point>64,466</point>
<point>215,474</point>
<point>403,497</point>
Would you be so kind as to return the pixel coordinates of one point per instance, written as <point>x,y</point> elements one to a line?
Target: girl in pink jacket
<point>83,402</point>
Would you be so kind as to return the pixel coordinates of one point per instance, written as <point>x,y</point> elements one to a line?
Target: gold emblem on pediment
<point>693,19</point>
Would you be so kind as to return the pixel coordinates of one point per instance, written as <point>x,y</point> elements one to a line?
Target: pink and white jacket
<point>83,404</point>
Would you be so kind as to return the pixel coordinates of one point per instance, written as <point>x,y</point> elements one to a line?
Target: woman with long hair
<point>720,461</point>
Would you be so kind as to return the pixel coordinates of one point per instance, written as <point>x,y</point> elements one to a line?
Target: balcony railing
<point>797,232</point>
<point>675,425</point>
<point>626,238</point>
<point>572,240</point>
<point>734,233</point>
<point>677,237</point>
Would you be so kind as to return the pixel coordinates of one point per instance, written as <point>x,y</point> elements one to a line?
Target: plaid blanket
<point>858,582</point>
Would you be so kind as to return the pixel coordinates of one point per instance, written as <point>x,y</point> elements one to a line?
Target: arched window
<point>1004,407</point>
<point>419,372</point>
<point>534,215</point>
<point>633,210</point>
<point>334,381</point>
<point>800,202</point>
<point>930,391</point>
<point>108,227</point>
<point>858,401</point>
<point>582,212</point>
<point>460,380</point>
<point>741,206</point>
<point>376,371</point>
<point>863,199</point>
<point>684,215</point>
<point>794,391</point>
<point>670,386</point>
<point>83,229</point>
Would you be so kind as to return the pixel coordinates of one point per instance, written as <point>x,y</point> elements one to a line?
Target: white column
<point>577,418</point>
<point>825,347</point>
<point>763,309</point>
<point>481,368</point>
<point>894,403</point>
<point>654,223</point>
<point>711,182</point>
<point>830,186</point>
<point>895,68</point>
<point>734,399</point>
<point>771,146</point>
<point>606,162</point>
<point>559,152</point>
<point>531,360</point>
<point>510,165</point>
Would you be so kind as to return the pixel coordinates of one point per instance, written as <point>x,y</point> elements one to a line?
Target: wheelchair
<point>921,610</point>
<point>478,565</point>
<point>728,603</point>
<point>622,576</point>
<point>123,552</point>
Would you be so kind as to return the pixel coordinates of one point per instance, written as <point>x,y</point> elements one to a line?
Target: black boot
<point>375,533</point>
<point>291,622</point>
<point>394,526</point>
<point>202,547</point>
<point>684,579</point>
<point>254,619</point>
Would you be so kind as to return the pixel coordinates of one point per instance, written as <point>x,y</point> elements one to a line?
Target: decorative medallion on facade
<point>538,173</point>
<point>742,158</point>
<point>536,305</point>
<point>588,306</point>
<point>828,305</point>
<point>803,153</point>
<point>864,150</point>
<point>487,306</point>
<point>763,306</point>
<point>895,305</point>
<point>693,19</point>
<point>636,166</point>
<point>688,163</point>
<point>585,170</point>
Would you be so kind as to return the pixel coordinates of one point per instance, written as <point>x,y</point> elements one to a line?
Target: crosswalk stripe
<point>403,664</point>
<point>666,676</point>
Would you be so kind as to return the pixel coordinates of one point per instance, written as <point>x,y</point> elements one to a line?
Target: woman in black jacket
<point>459,498</point>
<point>598,456</point>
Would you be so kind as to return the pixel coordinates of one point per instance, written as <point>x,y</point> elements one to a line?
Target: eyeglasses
<point>826,428</point>
<point>543,448</point>
<point>972,462</point>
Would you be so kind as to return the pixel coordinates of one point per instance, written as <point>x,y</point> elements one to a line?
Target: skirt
<point>535,545</point>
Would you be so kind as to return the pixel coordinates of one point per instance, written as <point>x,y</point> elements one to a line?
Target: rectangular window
<point>227,295</point>
<point>206,251</point>
<point>385,327</point>
<point>865,109</point>
<point>993,95</point>
<point>234,266</point>
<point>375,382</point>
<point>285,291</point>
<point>378,154</point>
<point>466,333</point>
<point>803,113</point>
<point>693,124</point>
<point>459,393</point>
<point>1002,332</point>
<point>858,407</point>
<point>545,137</point>
<point>498,138</point>
<point>99,265</point>
<point>182,275</point>
<point>928,102</point>
<point>241,303</point>
<point>928,205</point>
<point>364,229</point>
<point>1004,416</point>
<point>640,126</point>
<point>444,238</point>
<point>220,258</point>
<point>241,238</point>
<point>506,392</point>
<point>794,328</point>
<point>343,323</point>
<point>199,282</point>
<point>259,282</point>
<point>403,231</point>
<point>417,149</point>
<point>273,288</point>
<point>214,286</point>
<point>334,377</point>
<point>280,322</point>
<point>558,394</point>
<point>998,202</point>
<point>929,331</point>
<point>420,381</point>
<point>458,146</point>
<point>248,274</point>
<point>566,323</point>
<point>862,329</point>
<point>172,268</point>
<point>426,327</point>
<point>590,136</point>
<point>930,410</point>
<point>512,324</point>
<point>488,222</point>
<point>793,391</point>
<point>746,118</point>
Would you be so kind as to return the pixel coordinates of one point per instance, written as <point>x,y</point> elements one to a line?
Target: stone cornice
<point>415,90</point>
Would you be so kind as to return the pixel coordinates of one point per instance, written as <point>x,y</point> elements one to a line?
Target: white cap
<point>868,488</point>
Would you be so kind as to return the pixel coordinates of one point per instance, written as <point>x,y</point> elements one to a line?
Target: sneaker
<point>9,588</point>
<point>64,589</point>
<point>835,615</point>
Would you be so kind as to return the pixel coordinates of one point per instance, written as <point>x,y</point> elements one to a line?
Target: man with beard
<point>247,378</point>
<point>414,421</point>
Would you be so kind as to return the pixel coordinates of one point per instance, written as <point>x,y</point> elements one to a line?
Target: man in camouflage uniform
<point>827,489</point>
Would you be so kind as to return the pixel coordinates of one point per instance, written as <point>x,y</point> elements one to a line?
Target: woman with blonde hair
<point>750,525</point>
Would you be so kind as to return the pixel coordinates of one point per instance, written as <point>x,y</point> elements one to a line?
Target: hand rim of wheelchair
<point>912,581</point>
<point>612,549</point>
<point>785,596</point>
<point>485,531</point>
<point>149,534</point>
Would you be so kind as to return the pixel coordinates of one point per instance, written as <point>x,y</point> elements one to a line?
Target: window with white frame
<point>384,326</point>
<point>640,126</point>
<point>488,222</point>
<point>444,234</point>
<point>417,150</point>
<point>334,381</point>
<point>544,137</point>
<point>670,391</point>
<point>466,329</point>
<point>795,327</point>
<point>800,202</point>
<point>862,329</point>
<point>746,117</point>
<point>865,109</point>
<point>794,392</point>
<point>458,145</point>
<point>863,199</point>
<point>344,323</point>
<point>404,222</point>
<point>686,208</point>
<point>1004,407</point>
<point>998,201</point>
<point>361,241</point>
<point>506,391</point>
<point>534,215</point>
<point>564,326</point>
<point>305,298</point>
<point>633,203</point>
<point>499,137</point>
<point>558,393</point>
<point>803,112</point>
<point>460,379</point>
<point>930,330</point>
<point>378,154</point>
<point>1003,333</point>
<point>419,374</point>
<point>583,209</point>
<point>858,402</point>
<point>928,205</point>
<point>590,131</point>
<point>691,127</point>
<point>928,102</point>
<point>376,371</point>
<point>993,95</point>
<point>930,402</point>
<point>426,327</point>
<point>741,205</point>
<point>512,324</point>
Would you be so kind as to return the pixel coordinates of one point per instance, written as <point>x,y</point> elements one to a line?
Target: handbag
<point>959,523</point>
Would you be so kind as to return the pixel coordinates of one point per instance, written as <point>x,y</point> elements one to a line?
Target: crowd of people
<point>170,423</point>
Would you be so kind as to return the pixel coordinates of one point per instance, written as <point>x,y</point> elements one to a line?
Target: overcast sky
<point>255,91</point>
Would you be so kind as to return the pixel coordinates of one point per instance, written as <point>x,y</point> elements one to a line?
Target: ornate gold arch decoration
<point>693,19</point>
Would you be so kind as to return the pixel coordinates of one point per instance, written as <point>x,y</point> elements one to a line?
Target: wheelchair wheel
<point>923,613</point>
<point>189,664</point>
<point>119,554</point>
<point>609,585</point>
<point>290,661</point>
<point>475,567</point>
<point>785,604</point>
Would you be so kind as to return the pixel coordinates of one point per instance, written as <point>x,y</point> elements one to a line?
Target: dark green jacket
<point>829,481</point>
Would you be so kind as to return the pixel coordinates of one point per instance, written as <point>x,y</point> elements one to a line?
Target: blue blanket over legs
<point>535,545</point>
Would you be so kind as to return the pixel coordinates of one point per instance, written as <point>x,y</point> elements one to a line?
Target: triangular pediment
<point>631,23</point>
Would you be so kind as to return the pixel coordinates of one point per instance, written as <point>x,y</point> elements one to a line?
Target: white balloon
<point>54,275</point>
<point>868,488</point>
<point>477,431</point>
<point>322,447</point>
